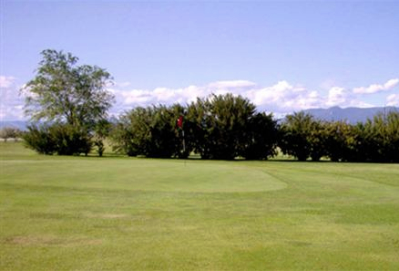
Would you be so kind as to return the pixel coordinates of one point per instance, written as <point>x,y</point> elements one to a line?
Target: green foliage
<point>64,92</point>
<point>225,126</point>
<point>72,100</point>
<point>101,131</point>
<point>40,139</point>
<point>380,138</point>
<point>294,135</point>
<point>377,140</point>
<point>261,137</point>
<point>70,140</point>
<point>58,138</point>
<point>218,127</point>
<point>339,140</point>
<point>224,120</point>
<point>149,131</point>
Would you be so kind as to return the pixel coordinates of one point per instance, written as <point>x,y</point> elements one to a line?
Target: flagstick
<point>184,147</point>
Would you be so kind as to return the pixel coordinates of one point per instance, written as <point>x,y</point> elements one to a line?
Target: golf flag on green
<point>180,122</point>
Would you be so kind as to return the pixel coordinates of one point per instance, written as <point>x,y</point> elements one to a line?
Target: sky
<point>283,56</point>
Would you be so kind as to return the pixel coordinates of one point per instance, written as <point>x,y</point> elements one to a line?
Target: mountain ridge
<point>351,115</point>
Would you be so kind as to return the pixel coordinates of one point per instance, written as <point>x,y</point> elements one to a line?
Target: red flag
<point>180,122</point>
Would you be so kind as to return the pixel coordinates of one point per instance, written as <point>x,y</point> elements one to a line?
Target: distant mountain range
<point>20,124</point>
<point>351,115</point>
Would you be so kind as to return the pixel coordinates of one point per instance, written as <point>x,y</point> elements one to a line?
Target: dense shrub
<point>218,127</point>
<point>261,138</point>
<point>58,138</point>
<point>40,139</point>
<point>149,131</point>
<point>294,135</point>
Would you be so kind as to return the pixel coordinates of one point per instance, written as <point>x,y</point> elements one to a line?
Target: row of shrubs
<point>220,127</point>
<point>225,127</point>
<point>376,140</point>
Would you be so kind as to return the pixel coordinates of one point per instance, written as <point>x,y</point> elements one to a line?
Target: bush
<point>58,138</point>
<point>39,139</point>
<point>149,131</point>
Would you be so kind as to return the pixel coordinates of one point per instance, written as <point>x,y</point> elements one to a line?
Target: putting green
<point>142,174</point>
<point>201,176</point>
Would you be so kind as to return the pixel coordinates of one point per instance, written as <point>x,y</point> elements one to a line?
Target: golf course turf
<point>120,213</point>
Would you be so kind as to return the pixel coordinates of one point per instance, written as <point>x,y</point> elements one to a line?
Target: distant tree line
<point>376,140</point>
<point>10,132</point>
<point>70,104</point>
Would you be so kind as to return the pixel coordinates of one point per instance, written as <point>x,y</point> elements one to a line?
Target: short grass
<point>116,213</point>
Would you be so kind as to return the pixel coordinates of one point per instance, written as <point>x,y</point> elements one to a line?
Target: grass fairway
<point>78,213</point>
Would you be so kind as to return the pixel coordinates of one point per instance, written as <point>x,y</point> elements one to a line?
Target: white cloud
<point>391,83</point>
<point>278,98</point>
<point>6,81</point>
<point>393,100</point>
<point>337,96</point>
<point>283,97</point>
<point>11,103</point>
<point>376,87</point>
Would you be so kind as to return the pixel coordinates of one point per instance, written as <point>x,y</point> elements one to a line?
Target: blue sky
<point>283,56</point>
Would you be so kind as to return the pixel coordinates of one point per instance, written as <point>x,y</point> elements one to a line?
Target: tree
<point>222,123</point>
<point>294,135</point>
<point>261,137</point>
<point>339,137</point>
<point>317,139</point>
<point>101,131</point>
<point>64,92</point>
<point>10,132</point>
<point>149,131</point>
<point>67,95</point>
<point>380,138</point>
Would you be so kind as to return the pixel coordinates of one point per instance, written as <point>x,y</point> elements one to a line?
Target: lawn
<point>118,213</point>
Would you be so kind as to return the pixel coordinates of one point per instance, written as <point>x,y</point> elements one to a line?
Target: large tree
<point>69,101</point>
<point>66,93</point>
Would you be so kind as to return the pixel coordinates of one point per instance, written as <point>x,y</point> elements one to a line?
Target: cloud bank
<point>280,98</point>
